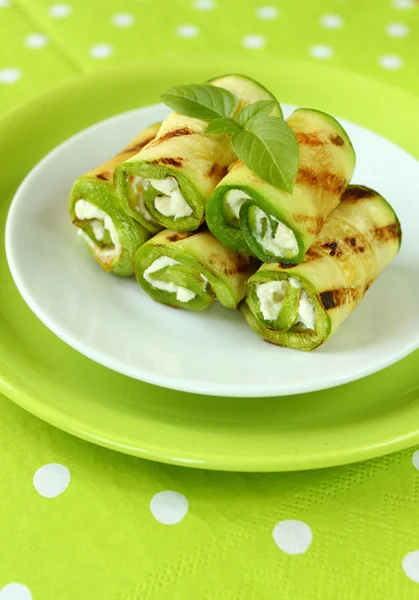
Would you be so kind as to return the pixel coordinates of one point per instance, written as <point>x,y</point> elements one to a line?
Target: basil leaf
<point>201,101</point>
<point>270,149</point>
<point>223,125</point>
<point>261,107</point>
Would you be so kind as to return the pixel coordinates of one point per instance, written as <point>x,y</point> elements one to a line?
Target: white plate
<point>113,322</point>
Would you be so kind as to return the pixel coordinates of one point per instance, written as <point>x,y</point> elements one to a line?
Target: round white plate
<point>113,322</point>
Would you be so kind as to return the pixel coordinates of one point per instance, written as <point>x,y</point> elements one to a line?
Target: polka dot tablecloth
<point>81,522</point>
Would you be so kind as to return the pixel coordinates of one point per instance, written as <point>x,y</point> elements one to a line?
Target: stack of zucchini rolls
<point>178,209</point>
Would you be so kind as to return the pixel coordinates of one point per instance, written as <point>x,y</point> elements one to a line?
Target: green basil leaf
<point>261,107</point>
<point>270,149</point>
<point>223,125</point>
<point>201,101</point>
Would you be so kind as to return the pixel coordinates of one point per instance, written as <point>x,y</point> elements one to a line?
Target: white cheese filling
<point>139,185</point>
<point>234,199</point>
<point>101,221</point>
<point>182,294</point>
<point>171,203</point>
<point>271,296</point>
<point>306,314</point>
<point>283,242</point>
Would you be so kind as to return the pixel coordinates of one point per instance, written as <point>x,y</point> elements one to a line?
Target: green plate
<point>370,417</point>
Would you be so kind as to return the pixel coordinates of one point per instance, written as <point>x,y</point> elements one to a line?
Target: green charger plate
<point>370,417</point>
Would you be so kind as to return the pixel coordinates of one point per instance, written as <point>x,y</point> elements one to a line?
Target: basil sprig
<point>265,144</point>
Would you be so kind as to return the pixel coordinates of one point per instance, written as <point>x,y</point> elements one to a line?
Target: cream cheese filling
<point>271,296</point>
<point>234,200</point>
<point>139,185</point>
<point>282,242</point>
<point>182,294</point>
<point>101,221</point>
<point>170,203</point>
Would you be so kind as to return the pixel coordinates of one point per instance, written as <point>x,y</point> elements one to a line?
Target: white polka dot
<point>204,4</point>
<point>253,41</point>
<point>331,21</point>
<point>415,459</point>
<point>397,30</point>
<point>51,480</point>
<point>36,40</point>
<point>403,4</point>
<point>122,20</point>
<point>293,537</point>
<point>390,61</point>
<point>60,11</point>
<point>169,507</point>
<point>4,3</point>
<point>15,591</point>
<point>321,51</point>
<point>10,75</point>
<point>101,51</point>
<point>267,13</point>
<point>187,31</point>
<point>410,565</point>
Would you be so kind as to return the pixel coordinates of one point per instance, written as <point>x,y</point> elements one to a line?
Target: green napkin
<point>81,522</point>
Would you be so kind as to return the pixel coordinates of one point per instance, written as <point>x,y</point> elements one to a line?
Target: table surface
<point>79,521</point>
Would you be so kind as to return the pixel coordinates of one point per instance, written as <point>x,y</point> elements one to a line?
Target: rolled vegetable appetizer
<point>252,216</point>
<point>189,270</point>
<point>111,236</point>
<point>169,181</point>
<point>302,306</point>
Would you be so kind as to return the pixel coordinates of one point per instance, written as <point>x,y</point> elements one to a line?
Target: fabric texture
<point>79,521</point>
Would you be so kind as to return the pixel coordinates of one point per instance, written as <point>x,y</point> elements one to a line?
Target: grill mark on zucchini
<point>217,171</point>
<point>171,134</point>
<point>329,182</point>
<point>105,176</point>
<point>312,255</point>
<point>314,224</point>
<point>331,299</point>
<point>136,147</point>
<point>179,235</point>
<point>356,244</point>
<point>387,233</point>
<point>241,265</point>
<point>355,193</point>
<point>308,139</point>
<point>167,160</point>
<point>333,249</point>
<point>368,285</point>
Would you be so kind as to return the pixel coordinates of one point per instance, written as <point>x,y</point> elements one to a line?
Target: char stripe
<point>136,147</point>
<point>387,233</point>
<point>336,297</point>
<point>329,182</point>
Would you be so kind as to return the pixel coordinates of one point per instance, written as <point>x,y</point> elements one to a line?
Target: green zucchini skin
<point>96,188</point>
<point>360,238</point>
<point>205,267</point>
<point>326,165</point>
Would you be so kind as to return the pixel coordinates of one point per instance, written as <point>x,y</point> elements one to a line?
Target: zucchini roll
<point>111,236</point>
<point>190,269</point>
<point>170,180</point>
<point>301,306</point>
<point>253,216</point>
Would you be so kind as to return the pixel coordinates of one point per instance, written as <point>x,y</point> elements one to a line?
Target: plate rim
<point>184,384</point>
